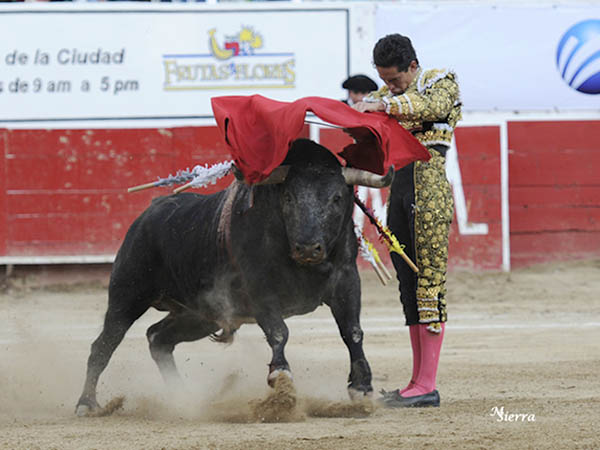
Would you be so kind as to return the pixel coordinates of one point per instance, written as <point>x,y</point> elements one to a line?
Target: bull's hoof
<point>83,410</point>
<point>86,408</point>
<point>361,393</point>
<point>275,373</point>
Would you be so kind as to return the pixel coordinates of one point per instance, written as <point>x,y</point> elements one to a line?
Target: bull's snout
<point>313,253</point>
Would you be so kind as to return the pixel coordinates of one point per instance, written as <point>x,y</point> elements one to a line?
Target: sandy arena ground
<point>527,342</point>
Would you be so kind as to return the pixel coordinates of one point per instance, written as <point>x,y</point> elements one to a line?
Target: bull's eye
<point>287,197</point>
<point>337,198</point>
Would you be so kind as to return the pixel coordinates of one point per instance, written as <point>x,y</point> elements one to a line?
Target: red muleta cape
<point>259,132</point>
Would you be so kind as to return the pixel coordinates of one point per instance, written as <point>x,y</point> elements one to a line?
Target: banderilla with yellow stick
<point>386,234</point>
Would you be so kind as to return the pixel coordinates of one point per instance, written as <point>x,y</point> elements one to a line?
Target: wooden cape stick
<point>390,239</point>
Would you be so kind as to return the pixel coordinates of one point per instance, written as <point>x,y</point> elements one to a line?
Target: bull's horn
<point>366,178</point>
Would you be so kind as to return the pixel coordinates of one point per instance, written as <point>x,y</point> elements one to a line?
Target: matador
<point>421,207</point>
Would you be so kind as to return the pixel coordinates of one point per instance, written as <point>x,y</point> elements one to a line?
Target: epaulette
<point>429,77</point>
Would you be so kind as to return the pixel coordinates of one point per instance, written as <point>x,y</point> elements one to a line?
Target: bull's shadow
<point>248,254</point>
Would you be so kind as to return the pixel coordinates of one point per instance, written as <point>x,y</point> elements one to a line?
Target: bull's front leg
<point>345,307</point>
<point>276,332</point>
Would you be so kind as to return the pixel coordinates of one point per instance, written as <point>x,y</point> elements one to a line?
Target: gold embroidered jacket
<point>429,108</point>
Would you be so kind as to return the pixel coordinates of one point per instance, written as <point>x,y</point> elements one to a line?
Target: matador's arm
<point>432,104</point>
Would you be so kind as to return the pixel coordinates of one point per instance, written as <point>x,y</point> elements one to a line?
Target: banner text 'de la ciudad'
<point>184,58</point>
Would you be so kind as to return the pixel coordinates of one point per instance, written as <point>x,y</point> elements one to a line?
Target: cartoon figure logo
<point>243,43</point>
<point>578,56</point>
<point>237,61</point>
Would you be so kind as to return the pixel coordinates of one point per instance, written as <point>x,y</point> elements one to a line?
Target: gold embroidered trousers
<point>420,212</point>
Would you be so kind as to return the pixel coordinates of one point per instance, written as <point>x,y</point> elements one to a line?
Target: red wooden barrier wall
<point>3,212</point>
<point>554,191</point>
<point>478,150</point>
<point>63,192</point>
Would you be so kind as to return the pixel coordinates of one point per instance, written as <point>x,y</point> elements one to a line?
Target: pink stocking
<point>431,345</point>
<point>416,355</point>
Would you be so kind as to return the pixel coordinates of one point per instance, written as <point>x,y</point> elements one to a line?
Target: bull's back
<point>171,247</point>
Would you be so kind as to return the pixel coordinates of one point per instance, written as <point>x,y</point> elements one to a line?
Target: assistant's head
<point>358,87</point>
<point>396,62</point>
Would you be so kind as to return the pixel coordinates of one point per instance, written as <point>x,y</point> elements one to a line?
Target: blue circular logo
<point>578,57</point>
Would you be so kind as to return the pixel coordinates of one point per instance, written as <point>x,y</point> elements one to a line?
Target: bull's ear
<point>277,176</point>
<point>366,178</point>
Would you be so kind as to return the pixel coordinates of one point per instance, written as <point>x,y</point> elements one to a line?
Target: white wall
<point>433,25</point>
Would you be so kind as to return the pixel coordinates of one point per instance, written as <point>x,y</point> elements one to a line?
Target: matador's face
<point>397,81</point>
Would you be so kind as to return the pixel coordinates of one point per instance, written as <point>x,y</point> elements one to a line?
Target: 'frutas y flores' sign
<point>241,60</point>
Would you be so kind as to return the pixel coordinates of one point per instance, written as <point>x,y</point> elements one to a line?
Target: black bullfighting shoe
<point>393,399</point>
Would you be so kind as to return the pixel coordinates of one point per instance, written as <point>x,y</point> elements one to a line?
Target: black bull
<point>244,255</point>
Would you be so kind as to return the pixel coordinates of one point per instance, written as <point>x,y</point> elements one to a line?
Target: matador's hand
<point>369,106</point>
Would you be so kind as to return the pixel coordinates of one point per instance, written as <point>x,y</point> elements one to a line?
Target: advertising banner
<point>507,58</point>
<point>102,62</point>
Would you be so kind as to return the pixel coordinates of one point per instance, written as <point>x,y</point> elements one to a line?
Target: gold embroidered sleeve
<point>433,104</point>
<point>377,96</point>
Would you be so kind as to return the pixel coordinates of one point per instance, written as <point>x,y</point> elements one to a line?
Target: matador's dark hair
<point>394,50</point>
